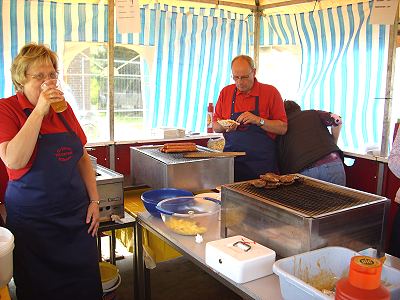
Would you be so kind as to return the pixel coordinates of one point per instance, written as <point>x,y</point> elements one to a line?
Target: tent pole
<point>285,3</point>
<point>389,87</point>
<point>111,79</point>
<point>256,37</point>
<point>224,3</point>
<point>111,66</point>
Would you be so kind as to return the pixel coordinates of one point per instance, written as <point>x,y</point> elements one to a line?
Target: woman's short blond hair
<point>29,55</point>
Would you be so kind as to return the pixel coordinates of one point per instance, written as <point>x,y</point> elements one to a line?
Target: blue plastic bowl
<point>151,198</point>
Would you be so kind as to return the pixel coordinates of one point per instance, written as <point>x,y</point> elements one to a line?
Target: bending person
<point>394,166</point>
<point>308,147</point>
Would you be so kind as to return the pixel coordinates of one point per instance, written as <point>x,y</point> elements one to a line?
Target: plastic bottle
<point>210,112</point>
<point>364,281</point>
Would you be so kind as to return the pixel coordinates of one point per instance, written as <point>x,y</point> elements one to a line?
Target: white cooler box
<point>239,258</point>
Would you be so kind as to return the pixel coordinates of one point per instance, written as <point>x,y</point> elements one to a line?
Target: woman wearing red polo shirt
<point>51,197</point>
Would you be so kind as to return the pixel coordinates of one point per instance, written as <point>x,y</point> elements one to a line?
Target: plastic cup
<point>58,106</point>
<point>6,256</point>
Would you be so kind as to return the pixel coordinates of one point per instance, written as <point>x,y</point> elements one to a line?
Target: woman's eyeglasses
<point>41,76</point>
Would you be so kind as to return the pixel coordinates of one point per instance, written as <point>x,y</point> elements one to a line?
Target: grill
<point>111,193</point>
<point>304,216</point>
<point>169,158</point>
<point>156,169</point>
<point>305,196</point>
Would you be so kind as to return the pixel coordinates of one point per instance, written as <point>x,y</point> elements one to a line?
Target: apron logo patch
<point>64,154</point>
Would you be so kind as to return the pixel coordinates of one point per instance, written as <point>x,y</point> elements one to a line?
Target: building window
<point>86,78</point>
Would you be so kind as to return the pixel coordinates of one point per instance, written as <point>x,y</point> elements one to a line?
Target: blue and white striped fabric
<point>54,23</point>
<point>192,64</point>
<point>22,22</point>
<point>193,49</point>
<point>344,62</point>
<point>278,30</point>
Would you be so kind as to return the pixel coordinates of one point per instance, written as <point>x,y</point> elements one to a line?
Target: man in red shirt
<point>260,111</point>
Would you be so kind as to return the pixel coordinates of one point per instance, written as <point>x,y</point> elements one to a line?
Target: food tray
<point>321,263</point>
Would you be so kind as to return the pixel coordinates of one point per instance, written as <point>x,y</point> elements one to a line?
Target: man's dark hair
<point>291,106</point>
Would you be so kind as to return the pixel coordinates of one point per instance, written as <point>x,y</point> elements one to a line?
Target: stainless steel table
<point>266,288</point>
<point>127,221</point>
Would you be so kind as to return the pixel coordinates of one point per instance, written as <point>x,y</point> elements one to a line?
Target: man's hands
<point>245,118</point>
<point>248,118</point>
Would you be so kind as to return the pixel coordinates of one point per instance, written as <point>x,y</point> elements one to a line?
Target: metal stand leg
<point>134,260</point>
<point>129,222</point>
<point>142,281</point>
<point>99,246</point>
<point>112,247</point>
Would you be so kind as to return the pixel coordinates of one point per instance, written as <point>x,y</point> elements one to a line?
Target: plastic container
<point>6,256</point>
<point>363,282</point>
<point>216,144</point>
<point>109,275</point>
<point>390,260</point>
<point>189,215</point>
<point>216,196</point>
<point>153,197</point>
<point>210,112</point>
<point>111,293</point>
<point>323,265</point>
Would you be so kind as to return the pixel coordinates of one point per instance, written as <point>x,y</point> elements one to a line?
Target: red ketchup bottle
<point>210,112</point>
<point>364,281</point>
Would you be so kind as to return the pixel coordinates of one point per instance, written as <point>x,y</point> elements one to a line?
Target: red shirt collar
<point>25,104</point>
<point>255,90</point>
<point>23,101</point>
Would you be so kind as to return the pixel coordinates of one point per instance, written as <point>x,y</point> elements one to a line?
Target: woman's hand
<point>93,217</point>
<point>46,97</point>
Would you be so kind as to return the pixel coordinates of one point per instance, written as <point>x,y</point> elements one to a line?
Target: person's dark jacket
<point>307,140</point>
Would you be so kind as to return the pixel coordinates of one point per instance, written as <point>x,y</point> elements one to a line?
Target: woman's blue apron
<point>54,256</point>
<point>260,149</point>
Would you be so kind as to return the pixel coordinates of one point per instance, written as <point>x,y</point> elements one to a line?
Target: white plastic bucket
<point>335,260</point>
<point>6,256</point>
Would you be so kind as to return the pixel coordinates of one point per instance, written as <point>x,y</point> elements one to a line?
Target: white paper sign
<point>384,12</point>
<point>128,16</point>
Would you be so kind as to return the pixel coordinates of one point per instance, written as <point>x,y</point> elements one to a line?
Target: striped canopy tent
<point>343,56</point>
<point>344,65</point>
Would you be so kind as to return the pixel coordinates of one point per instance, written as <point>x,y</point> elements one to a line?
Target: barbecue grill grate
<point>168,158</point>
<point>307,197</point>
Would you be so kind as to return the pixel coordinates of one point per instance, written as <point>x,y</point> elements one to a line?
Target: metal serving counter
<point>306,215</point>
<point>263,288</point>
<point>111,193</point>
<point>160,170</point>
